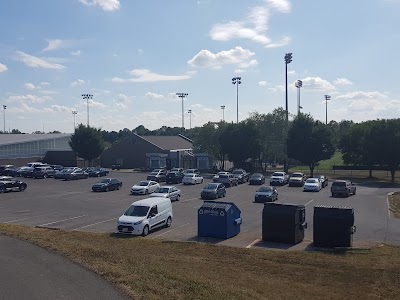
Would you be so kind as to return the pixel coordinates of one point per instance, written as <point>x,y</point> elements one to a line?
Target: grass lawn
<point>394,201</point>
<point>155,269</point>
<point>324,165</point>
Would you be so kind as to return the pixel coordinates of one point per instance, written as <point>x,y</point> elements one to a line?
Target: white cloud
<point>29,99</point>
<point>154,96</point>
<point>61,108</point>
<point>254,26</point>
<point>237,55</point>
<point>143,75</point>
<point>3,68</point>
<point>77,82</point>
<point>262,83</point>
<point>317,83</point>
<point>76,53</point>
<point>31,86</point>
<point>291,72</point>
<point>45,83</point>
<point>57,44</point>
<point>107,5</point>
<point>92,104</point>
<point>36,62</point>
<point>277,88</point>
<point>361,95</point>
<point>342,81</point>
<point>122,101</point>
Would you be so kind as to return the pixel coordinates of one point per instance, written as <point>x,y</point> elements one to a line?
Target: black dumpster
<point>218,219</point>
<point>283,223</point>
<point>333,226</point>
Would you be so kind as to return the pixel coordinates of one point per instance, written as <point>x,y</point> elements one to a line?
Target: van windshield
<point>137,211</point>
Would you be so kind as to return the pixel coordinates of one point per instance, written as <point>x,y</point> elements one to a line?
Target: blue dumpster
<point>218,219</point>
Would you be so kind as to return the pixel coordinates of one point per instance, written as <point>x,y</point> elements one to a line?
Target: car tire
<point>45,176</point>
<point>22,188</point>
<point>145,231</point>
<point>354,192</point>
<point>2,189</point>
<point>118,187</point>
<point>201,180</point>
<point>168,223</point>
<point>178,197</point>
<point>224,194</point>
<point>146,191</point>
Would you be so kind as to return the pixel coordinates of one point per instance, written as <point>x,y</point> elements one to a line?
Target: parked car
<point>257,178</point>
<point>191,171</point>
<point>228,180</point>
<point>323,179</point>
<point>312,185</point>
<point>343,188</point>
<point>216,176</point>
<point>8,183</point>
<point>145,215</point>
<point>57,167</point>
<point>174,177</point>
<point>266,194</point>
<point>192,179</point>
<point>170,192</point>
<point>8,170</point>
<point>177,170</point>
<point>97,172</point>
<point>144,187</point>
<point>107,184</point>
<point>43,172</point>
<point>297,179</point>
<point>280,178</point>
<point>61,174</point>
<point>241,175</point>
<point>213,190</point>
<point>158,175</point>
<point>116,167</point>
<point>25,171</point>
<point>76,174</point>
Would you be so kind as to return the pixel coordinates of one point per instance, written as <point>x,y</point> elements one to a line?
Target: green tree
<point>309,141</point>
<point>87,142</point>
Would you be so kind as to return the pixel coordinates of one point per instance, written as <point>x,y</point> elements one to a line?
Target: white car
<point>216,177</point>
<point>144,187</point>
<point>170,192</point>
<point>312,185</point>
<point>192,179</point>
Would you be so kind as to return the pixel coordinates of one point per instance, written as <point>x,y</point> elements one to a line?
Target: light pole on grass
<point>87,97</point>
<point>237,81</point>
<point>299,84</point>
<point>288,60</point>
<point>182,96</point>
<point>327,98</point>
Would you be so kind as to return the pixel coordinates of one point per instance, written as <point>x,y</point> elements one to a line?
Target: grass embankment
<point>153,269</point>
<point>394,204</point>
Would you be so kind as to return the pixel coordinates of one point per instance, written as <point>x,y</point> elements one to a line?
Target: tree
<point>309,141</point>
<point>87,142</point>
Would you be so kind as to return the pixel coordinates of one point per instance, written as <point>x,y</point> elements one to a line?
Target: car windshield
<point>137,211</point>
<point>297,175</point>
<point>339,183</point>
<point>237,172</point>
<point>210,186</point>
<point>153,173</point>
<point>257,175</point>
<point>189,175</point>
<point>265,189</point>
<point>105,180</point>
<point>162,190</point>
<point>312,180</point>
<point>221,173</point>
<point>143,183</point>
<point>223,176</point>
<point>278,174</point>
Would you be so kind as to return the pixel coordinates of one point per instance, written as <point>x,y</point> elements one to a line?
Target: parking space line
<point>22,219</point>
<point>95,224</point>
<point>252,244</point>
<point>188,200</point>
<point>388,205</point>
<point>62,220</point>
<point>170,230</point>
<point>309,202</point>
<point>66,194</point>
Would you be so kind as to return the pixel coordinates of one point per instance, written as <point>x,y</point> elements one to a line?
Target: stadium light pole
<point>299,84</point>
<point>237,81</point>
<point>288,60</point>
<point>4,118</point>
<point>87,97</point>
<point>182,96</point>
<point>74,112</point>
<point>223,113</point>
<point>327,98</point>
<point>190,118</point>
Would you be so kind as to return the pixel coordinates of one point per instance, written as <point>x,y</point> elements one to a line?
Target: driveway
<point>30,272</point>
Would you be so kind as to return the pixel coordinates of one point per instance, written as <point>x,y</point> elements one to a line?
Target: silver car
<point>170,192</point>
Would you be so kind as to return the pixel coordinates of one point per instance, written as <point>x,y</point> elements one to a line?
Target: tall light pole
<point>190,118</point>
<point>4,118</point>
<point>299,84</point>
<point>327,98</point>
<point>223,113</point>
<point>288,60</point>
<point>237,81</point>
<point>87,97</point>
<point>182,96</point>
<point>74,112</point>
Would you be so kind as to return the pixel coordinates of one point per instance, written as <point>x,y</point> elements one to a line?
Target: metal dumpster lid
<point>284,204</point>
<point>219,205</point>
<point>333,207</point>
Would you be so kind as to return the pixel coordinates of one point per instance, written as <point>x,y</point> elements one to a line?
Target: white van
<point>145,215</point>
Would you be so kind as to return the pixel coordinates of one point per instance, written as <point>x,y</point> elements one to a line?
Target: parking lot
<point>71,205</point>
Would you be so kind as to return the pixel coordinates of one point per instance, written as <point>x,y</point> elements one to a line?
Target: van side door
<point>154,217</point>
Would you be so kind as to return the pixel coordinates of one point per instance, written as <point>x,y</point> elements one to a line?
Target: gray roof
<point>7,139</point>
<point>169,142</point>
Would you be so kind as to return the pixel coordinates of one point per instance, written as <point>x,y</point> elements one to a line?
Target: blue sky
<point>134,56</point>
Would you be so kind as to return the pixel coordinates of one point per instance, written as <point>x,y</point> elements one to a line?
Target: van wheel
<point>354,192</point>
<point>145,230</point>
<point>168,223</point>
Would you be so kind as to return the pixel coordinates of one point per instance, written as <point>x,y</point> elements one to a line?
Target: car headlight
<point>138,222</point>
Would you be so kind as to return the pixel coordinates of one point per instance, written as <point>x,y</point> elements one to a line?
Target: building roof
<point>7,139</point>
<point>169,142</point>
